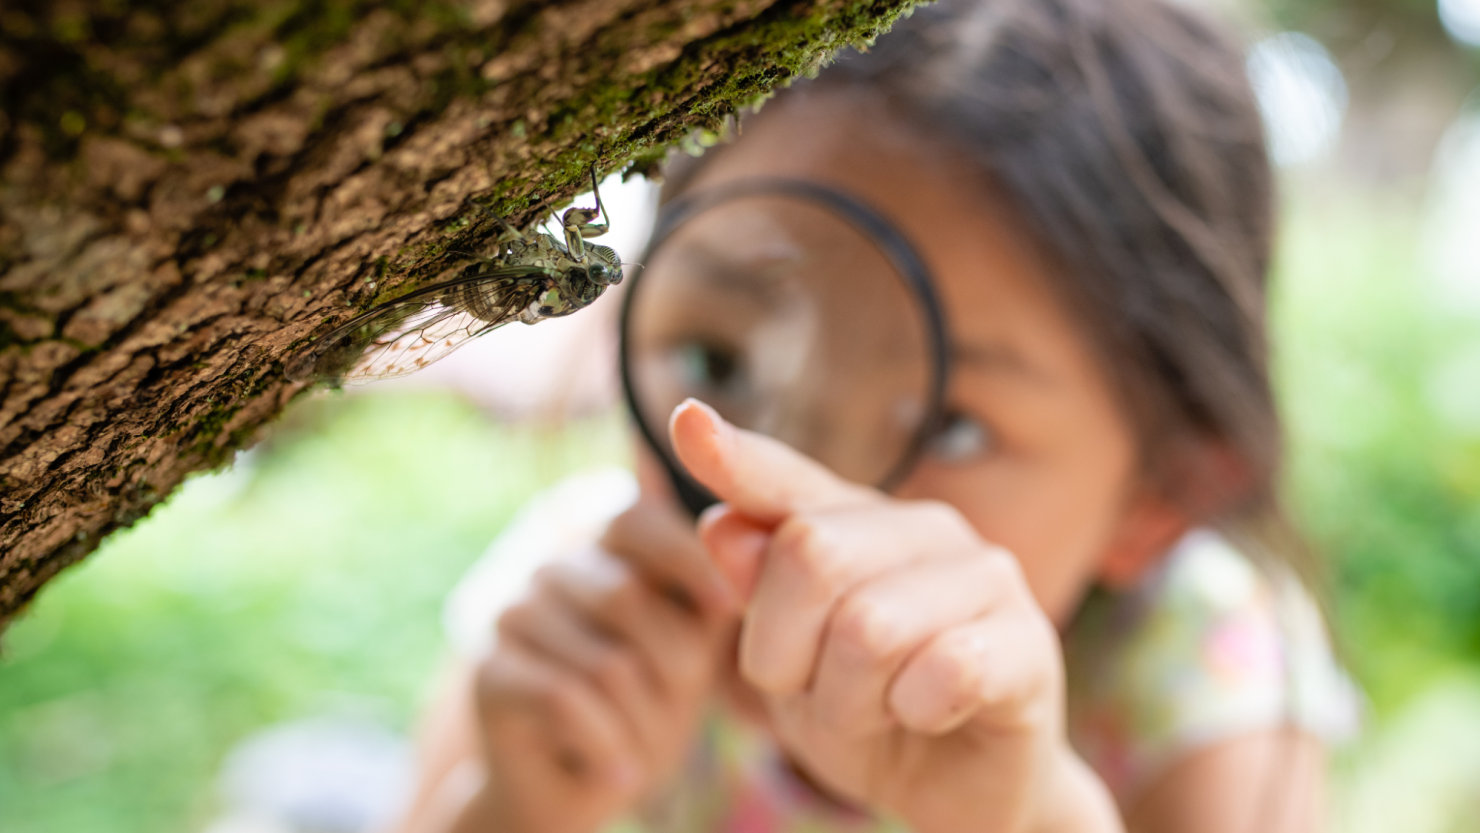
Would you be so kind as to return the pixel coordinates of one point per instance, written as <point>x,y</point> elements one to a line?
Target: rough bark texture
<point>190,189</point>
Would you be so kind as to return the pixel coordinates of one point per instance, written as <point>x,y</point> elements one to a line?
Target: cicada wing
<point>411,332</point>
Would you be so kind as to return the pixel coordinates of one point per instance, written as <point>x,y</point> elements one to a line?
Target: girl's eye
<point>708,367</point>
<point>960,439</point>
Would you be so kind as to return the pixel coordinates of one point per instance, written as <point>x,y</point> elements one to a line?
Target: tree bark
<point>188,191</point>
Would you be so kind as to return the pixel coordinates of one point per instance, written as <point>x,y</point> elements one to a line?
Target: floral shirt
<point>1206,647</point>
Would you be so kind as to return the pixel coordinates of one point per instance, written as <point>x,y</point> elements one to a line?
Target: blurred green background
<point>308,579</point>
<point>305,580</point>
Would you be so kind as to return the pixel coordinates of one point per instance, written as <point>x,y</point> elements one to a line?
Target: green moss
<point>204,434</point>
<point>203,431</point>
<point>781,43</point>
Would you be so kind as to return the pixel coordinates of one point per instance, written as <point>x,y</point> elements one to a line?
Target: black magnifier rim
<point>885,237</point>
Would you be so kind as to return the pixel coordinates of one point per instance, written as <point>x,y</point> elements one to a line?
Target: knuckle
<point>940,514</point>
<point>1002,567</point>
<point>957,654</point>
<point>545,577</point>
<point>1012,569</point>
<point>623,599</point>
<point>496,686</point>
<point>864,628</point>
<point>624,529</point>
<point>488,684</point>
<point>998,568</point>
<point>615,670</point>
<point>810,549</point>
<point>1044,637</point>
<point>561,695</point>
<point>689,669</point>
<point>954,668</point>
<point>515,618</point>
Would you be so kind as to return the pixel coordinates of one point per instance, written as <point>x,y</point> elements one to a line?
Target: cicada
<point>530,277</point>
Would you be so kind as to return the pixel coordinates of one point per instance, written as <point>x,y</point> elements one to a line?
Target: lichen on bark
<point>189,190</point>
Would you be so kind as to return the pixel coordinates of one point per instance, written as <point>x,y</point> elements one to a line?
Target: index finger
<point>760,477</point>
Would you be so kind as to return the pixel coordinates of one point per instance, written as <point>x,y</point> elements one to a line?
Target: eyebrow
<point>996,357</point>
<point>718,272</point>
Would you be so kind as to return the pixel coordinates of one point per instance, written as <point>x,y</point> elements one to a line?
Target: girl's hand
<point>598,678</point>
<point>903,660</point>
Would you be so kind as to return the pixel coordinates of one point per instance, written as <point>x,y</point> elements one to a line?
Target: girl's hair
<point>1127,137</point>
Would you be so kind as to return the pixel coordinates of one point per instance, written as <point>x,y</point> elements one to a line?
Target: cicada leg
<point>509,233</point>
<point>578,226</point>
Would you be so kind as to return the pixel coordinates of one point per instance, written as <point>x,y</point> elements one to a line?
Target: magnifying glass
<point>796,311</point>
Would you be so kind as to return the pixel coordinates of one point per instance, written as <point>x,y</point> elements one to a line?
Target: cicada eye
<point>606,267</point>
<point>960,439</point>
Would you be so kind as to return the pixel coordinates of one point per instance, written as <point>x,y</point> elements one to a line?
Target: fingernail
<point>710,516</point>
<point>722,429</point>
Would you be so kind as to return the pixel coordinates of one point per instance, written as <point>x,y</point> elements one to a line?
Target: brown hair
<point>1126,135</point>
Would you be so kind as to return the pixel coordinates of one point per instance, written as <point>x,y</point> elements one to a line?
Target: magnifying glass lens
<point>790,321</point>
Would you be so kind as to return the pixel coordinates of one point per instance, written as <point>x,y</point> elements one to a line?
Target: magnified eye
<point>708,366</point>
<point>598,272</point>
<point>961,438</point>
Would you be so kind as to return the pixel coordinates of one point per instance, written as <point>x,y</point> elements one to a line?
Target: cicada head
<point>604,267</point>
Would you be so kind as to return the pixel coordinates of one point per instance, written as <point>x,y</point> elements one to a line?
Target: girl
<point>1038,629</point>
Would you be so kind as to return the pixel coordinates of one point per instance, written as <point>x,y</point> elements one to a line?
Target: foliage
<point>306,579</point>
<point>1386,483</point>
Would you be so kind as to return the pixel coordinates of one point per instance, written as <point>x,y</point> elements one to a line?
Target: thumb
<point>736,546</point>
<point>759,477</point>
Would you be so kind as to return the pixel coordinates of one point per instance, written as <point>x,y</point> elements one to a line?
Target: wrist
<point>479,808</point>
<point>476,806</point>
<point>456,803</point>
<point>1076,800</point>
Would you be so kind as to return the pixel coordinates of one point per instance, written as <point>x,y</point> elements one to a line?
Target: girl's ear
<point>1205,477</point>
<point>1150,526</point>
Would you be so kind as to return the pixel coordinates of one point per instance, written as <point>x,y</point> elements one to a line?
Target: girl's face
<point>1056,481</point>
